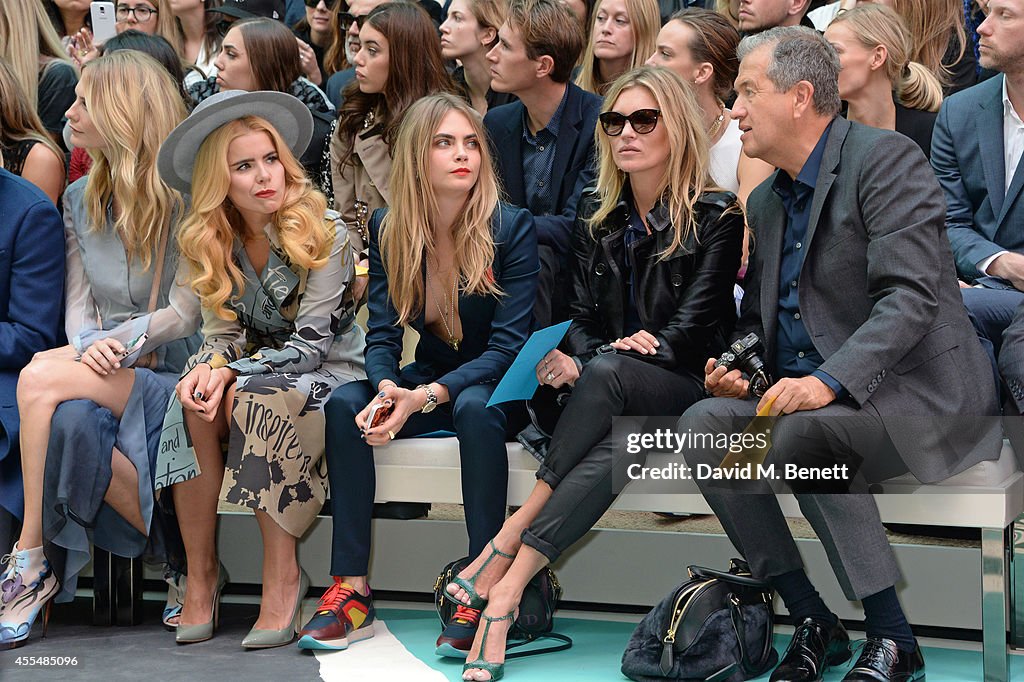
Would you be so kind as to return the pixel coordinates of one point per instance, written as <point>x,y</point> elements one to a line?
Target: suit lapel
<point>826,176</point>
<point>990,143</point>
<point>512,161</point>
<point>770,226</point>
<point>568,132</point>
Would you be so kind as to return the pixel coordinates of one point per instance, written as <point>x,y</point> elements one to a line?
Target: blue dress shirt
<point>538,160</point>
<point>795,354</point>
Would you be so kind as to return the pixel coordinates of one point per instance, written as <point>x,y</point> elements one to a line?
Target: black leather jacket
<point>686,300</point>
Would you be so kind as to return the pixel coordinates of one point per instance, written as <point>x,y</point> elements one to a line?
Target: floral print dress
<point>295,340</point>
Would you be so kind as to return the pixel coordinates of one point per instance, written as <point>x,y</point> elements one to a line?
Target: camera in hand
<point>745,355</point>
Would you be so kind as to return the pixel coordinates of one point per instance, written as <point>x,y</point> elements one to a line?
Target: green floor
<point>597,652</point>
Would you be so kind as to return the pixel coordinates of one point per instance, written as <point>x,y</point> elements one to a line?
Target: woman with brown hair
<point>316,32</point>
<point>700,46</point>
<point>262,54</point>
<point>25,148</point>
<point>199,31</point>
<point>399,61</point>
<point>468,33</point>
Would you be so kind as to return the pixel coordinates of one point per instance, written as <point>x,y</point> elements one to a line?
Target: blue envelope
<point>520,381</point>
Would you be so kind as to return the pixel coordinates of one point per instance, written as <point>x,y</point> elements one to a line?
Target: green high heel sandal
<point>497,670</point>
<point>469,584</point>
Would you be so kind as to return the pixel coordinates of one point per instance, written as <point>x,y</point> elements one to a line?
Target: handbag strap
<point>739,624</point>
<point>158,273</point>
<point>566,643</point>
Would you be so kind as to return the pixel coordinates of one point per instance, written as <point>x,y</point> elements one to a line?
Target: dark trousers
<point>551,305</point>
<point>584,452</point>
<point>848,525</point>
<point>484,462</point>
<point>992,311</point>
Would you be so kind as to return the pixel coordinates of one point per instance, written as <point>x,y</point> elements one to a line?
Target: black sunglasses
<point>328,3</point>
<point>346,19</point>
<point>643,121</point>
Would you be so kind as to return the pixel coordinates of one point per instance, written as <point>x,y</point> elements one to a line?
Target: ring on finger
<point>549,376</point>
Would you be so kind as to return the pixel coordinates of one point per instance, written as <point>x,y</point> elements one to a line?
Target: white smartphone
<point>104,22</point>
<point>134,345</point>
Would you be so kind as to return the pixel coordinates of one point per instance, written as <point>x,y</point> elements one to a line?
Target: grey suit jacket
<point>982,217</point>
<point>879,298</point>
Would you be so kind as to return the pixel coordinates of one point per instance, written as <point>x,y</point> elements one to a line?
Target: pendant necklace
<point>452,341</point>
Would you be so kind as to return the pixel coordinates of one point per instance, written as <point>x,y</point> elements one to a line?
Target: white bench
<point>989,496</point>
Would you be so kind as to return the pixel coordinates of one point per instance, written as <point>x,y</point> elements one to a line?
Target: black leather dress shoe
<point>816,646</point>
<point>881,661</point>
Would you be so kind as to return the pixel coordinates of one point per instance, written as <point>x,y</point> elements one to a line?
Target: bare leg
<point>123,491</point>
<point>280,574</point>
<point>47,381</point>
<point>505,596</point>
<point>507,540</point>
<point>195,504</point>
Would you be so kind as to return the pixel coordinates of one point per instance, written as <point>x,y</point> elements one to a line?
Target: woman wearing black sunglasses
<point>317,36</point>
<point>654,252</point>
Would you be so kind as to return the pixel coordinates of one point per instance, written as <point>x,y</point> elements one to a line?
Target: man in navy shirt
<point>543,143</point>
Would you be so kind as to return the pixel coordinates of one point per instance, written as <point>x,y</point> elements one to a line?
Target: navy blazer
<point>574,166</point>
<point>494,329</point>
<point>982,218</point>
<point>31,302</point>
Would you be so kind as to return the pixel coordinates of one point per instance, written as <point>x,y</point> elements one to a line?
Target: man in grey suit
<point>976,150</point>
<point>852,289</point>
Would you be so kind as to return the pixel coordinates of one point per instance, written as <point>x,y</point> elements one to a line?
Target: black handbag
<point>536,618</point>
<point>544,409</point>
<point>715,627</point>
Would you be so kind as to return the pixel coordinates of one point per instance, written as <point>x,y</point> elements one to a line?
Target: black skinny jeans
<point>583,453</point>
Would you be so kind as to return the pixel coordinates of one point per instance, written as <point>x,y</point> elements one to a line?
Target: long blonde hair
<point>134,104</point>
<point>26,38</point>
<point>168,26</point>
<point>644,23</point>
<point>931,24</point>
<point>407,232</point>
<point>18,118</point>
<point>687,175</point>
<point>873,25</point>
<point>209,231</point>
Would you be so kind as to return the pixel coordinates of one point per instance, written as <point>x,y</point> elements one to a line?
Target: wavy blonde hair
<point>134,104</point>
<point>644,23</point>
<point>688,172</point>
<point>26,36</point>
<point>407,232</point>
<point>209,231</point>
<point>874,25</point>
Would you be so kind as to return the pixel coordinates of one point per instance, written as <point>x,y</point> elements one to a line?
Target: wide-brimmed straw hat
<point>286,113</point>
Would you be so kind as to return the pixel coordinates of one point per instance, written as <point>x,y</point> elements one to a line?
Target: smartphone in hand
<point>134,345</point>
<point>378,415</point>
<point>104,21</point>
